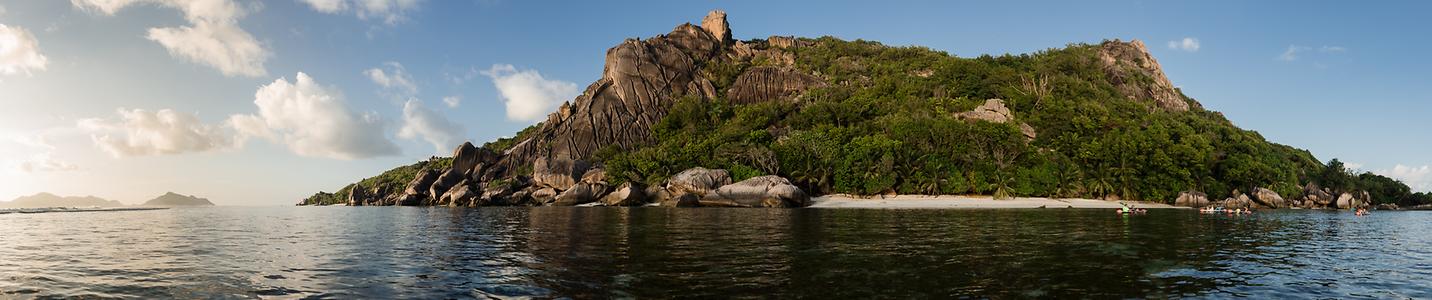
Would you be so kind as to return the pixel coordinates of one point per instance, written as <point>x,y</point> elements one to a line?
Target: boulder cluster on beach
<point>1311,197</point>
<point>469,182</point>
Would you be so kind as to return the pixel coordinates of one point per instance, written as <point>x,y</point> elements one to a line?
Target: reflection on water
<point>401,252</point>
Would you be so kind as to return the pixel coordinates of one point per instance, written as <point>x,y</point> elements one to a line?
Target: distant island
<point>173,199</point>
<point>697,118</point>
<point>48,200</point>
<point>42,200</point>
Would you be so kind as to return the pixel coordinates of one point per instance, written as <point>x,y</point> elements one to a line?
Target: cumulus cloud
<point>424,123</point>
<point>390,12</point>
<point>452,101</point>
<point>213,36</point>
<point>313,121</point>
<point>527,95</point>
<point>43,162</point>
<point>1294,52</point>
<point>1186,44</point>
<point>1417,178</point>
<point>220,45</point>
<point>394,79</point>
<point>19,52</point>
<point>139,132</point>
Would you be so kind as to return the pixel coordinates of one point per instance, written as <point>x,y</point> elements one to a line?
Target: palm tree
<point>1001,187</point>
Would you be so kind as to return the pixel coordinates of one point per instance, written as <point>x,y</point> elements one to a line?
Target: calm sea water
<point>405,252</point>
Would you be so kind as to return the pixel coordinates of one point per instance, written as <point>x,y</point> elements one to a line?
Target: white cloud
<point>421,122</point>
<point>212,38</point>
<point>391,12</point>
<point>459,79</point>
<point>41,158</point>
<point>1292,53</point>
<point>452,101</point>
<point>141,132</point>
<point>527,95</point>
<point>327,6</point>
<point>395,79</point>
<point>1186,44</point>
<point>19,52</point>
<point>43,162</point>
<point>313,121</point>
<point>223,46</point>
<point>1417,178</point>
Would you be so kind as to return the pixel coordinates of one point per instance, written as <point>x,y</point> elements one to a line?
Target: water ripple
<point>519,253</point>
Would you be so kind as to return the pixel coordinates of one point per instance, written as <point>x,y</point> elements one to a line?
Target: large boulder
<point>1317,197</point>
<point>770,83</point>
<point>993,110</point>
<point>595,176</point>
<point>497,192</point>
<point>1268,198</point>
<point>467,156</point>
<point>1191,199</point>
<point>543,195</point>
<point>715,23</point>
<point>684,200</point>
<point>558,173</point>
<point>1345,201</point>
<point>418,190</point>
<point>697,181</point>
<point>627,194</point>
<point>582,193</point>
<point>1238,200</point>
<point>464,194</point>
<point>760,191</point>
<point>357,196</point>
<point>444,182</point>
<point>1362,199</point>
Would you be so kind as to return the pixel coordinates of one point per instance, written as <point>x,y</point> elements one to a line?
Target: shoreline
<point>972,202</point>
<point>41,210</point>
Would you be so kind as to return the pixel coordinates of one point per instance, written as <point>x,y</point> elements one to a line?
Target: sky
<point>266,102</point>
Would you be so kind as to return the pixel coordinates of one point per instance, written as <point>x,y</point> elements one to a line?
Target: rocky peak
<point>715,23</point>
<point>1138,75</point>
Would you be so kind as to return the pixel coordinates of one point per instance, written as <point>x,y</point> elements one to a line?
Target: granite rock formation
<point>1138,75</point>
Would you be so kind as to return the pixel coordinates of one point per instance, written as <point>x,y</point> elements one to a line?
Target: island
<point>43,200</point>
<point>697,118</point>
<point>172,199</point>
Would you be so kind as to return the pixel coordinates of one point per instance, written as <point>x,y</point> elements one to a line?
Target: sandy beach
<point>970,202</point>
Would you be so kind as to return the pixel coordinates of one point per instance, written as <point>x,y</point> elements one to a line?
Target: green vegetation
<point>886,123</point>
<point>881,127</point>
<point>1338,178</point>
<point>392,180</point>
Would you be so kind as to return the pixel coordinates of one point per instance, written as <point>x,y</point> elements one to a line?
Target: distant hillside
<point>172,199</point>
<point>52,200</point>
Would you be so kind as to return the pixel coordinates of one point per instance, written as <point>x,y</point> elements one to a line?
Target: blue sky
<point>127,99</point>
